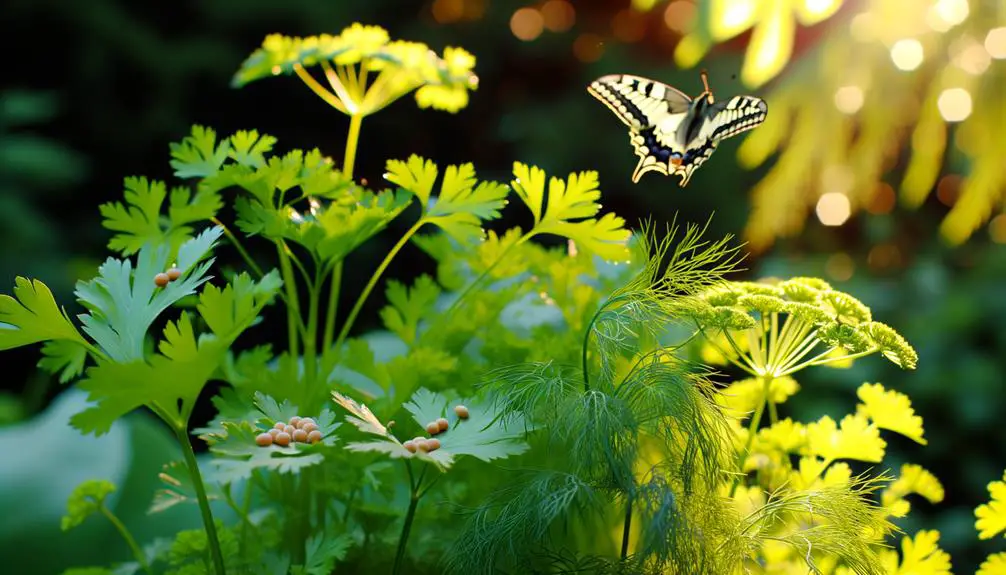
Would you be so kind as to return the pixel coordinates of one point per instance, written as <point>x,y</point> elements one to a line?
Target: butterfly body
<point>672,133</point>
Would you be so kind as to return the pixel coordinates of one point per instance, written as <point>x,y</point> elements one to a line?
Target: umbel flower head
<point>366,70</point>
<point>774,328</point>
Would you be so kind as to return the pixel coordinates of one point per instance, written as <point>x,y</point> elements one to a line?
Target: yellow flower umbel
<point>365,71</point>
<point>991,521</point>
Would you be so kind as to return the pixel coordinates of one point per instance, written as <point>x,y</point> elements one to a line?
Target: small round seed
<point>263,439</point>
<point>308,427</point>
<point>274,432</point>
<point>289,429</point>
<point>443,424</point>
<point>314,436</point>
<point>409,446</point>
<point>161,279</point>
<point>300,435</point>
<point>280,426</point>
<point>174,273</point>
<point>306,420</point>
<point>461,411</point>
<point>433,428</point>
<point>431,445</point>
<point>282,438</point>
<point>295,421</point>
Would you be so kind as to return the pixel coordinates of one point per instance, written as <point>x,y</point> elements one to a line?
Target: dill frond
<point>516,521</point>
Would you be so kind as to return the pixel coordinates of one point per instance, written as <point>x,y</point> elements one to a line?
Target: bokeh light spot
<point>628,26</point>
<point>447,11</point>
<point>997,229</point>
<point>954,104</point>
<point>849,99</point>
<point>995,43</point>
<point>527,24</point>
<point>907,54</point>
<point>833,209</point>
<point>953,12</point>
<point>679,16</point>
<point>883,256</point>
<point>882,201</point>
<point>948,189</point>
<point>839,267</point>
<point>558,15</point>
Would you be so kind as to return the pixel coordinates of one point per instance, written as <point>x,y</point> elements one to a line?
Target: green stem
<point>816,360</point>
<point>410,515</point>
<point>752,430</point>
<point>141,558</point>
<point>293,303</point>
<point>626,528</point>
<point>240,248</point>
<point>373,282</point>
<point>352,138</point>
<point>311,338</point>
<point>333,304</point>
<point>204,502</point>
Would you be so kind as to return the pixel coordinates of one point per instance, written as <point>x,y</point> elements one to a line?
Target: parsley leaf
<point>323,552</point>
<point>463,204</point>
<point>122,304</point>
<point>409,306</point>
<point>171,381</point>
<point>33,316</point>
<point>141,222</point>
<point>573,199</point>
<point>65,357</point>
<point>199,155</point>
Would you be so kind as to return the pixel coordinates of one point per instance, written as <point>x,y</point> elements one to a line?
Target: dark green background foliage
<point>101,87</point>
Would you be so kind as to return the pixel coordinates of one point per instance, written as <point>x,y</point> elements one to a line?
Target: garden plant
<point>611,402</point>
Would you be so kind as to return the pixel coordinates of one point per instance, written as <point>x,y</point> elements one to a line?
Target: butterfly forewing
<point>637,101</point>
<point>736,115</point>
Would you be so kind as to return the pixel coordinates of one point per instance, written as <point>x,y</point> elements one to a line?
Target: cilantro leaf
<point>122,304</point>
<point>462,205</point>
<point>239,455</point>
<point>350,222</point>
<point>65,357</point>
<point>409,306</point>
<point>171,381</point>
<point>178,488</point>
<point>141,222</point>
<point>573,199</point>
<point>198,154</point>
<point>249,149</point>
<point>86,499</point>
<point>484,435</point>
<point>323,552</point>
<point>33,316</point>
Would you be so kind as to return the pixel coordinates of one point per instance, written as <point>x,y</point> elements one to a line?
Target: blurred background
<point>880,169</point>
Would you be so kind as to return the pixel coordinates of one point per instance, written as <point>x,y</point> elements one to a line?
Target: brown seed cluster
<point>162,279</point>
<point>297,430</point>
<point>436,427</point>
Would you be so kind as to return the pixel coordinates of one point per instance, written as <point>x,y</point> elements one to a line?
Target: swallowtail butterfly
<point>671,133</point>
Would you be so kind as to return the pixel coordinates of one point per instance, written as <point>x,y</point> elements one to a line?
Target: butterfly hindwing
<point>670,132</point>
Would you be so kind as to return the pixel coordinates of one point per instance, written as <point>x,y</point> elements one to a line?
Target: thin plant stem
<point>293,319</point>
<point>240,248</point>
<point>141,558</point>
<point>817,361</point>
<point>352,138</point>
<point>311,338</point>
<point>373,282</point>
<point>410,515</point>
<point>316,87</point>
<point>204,502</point>
<point>626,528</point>
<point>752,430</point>
<point>333,304</point>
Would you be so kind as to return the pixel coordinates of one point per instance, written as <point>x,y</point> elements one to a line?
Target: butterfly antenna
<point>708,92</point>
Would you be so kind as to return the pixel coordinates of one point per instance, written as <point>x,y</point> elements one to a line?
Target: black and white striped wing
<point>734,116</point>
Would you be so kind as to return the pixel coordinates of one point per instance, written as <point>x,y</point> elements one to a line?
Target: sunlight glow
<point>953,12</point>
<point>833,209</point>
<point>995,43</point>
<point>849,99</point>
<point>969,55</point>
<point>954,104</point>
<point>731,17</point>
<point>527,24</point>
<point>907,54</point>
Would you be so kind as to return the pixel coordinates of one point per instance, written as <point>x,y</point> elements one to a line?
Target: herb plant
<point>529,409</point>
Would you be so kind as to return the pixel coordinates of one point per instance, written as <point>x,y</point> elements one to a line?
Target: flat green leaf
<point>351,221</point>
<point>33,316</point>
<point>122,304</point>
<point>248,148</point>
<point>569,200</point>
<point>415,175</point>
<point>484,435</point>
<point>462,205</point>
<point>409,306</point>
<point>198,154</point>
<point>238,455</point>
<point>64,357</point>
<point>324,551</point>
